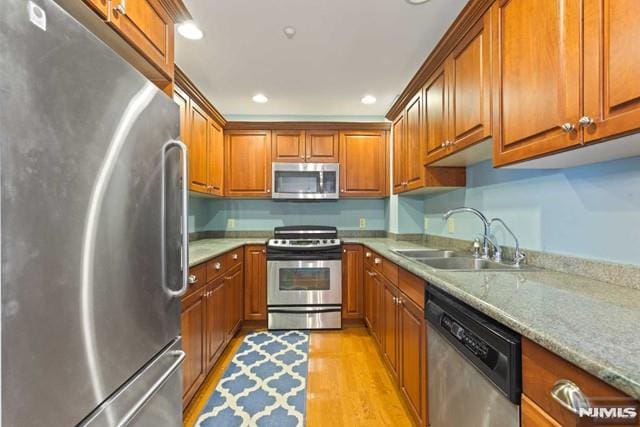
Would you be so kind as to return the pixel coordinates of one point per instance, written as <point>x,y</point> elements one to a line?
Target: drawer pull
<point>217,266</point>
<point>569,395</point>
<point>367,255</point>
<point>193,279</point>
<point>371,273</point>
<point>377,261</point>
<point>234,257</point>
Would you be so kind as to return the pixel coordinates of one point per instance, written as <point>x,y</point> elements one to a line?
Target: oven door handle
<point>305,310</point>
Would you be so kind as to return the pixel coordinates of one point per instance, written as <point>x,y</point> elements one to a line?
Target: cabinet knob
<point>371,273</point>
<point>264,251</point>
<point>217,266</point>
<point>367,255</point>
<point>121,8</point>
<point>569,395</point>
<point>342,190</point>
<point>268,190</point>
<point>193,279</point>
<point>234,257</point>
<point>585,121</point>
<point>567,127</point>
<point>344,251</point>
<point>377,261</point>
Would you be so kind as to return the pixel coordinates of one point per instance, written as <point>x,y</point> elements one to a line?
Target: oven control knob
<point>324,241</point>
<point>333,241</point>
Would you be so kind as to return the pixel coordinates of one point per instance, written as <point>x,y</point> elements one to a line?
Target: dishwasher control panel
<point>470,340</point>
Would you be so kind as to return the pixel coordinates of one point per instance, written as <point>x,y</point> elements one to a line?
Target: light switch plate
<point>231,223</point>
<point>451,225</point>
<point>363,223</point>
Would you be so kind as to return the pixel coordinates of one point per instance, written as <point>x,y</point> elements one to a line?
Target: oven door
<point>298,282</point>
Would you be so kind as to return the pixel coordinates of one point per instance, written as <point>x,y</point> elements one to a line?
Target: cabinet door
<point>470,87</point>
<point>182,99</point>
<point>389,311</point>
<point>101,7</point>
<point>436,109</point>
<point>372,292</point>
<point>233,299</point>
<point>215,326</point>
<point>413,360</point>
<point>192,326</point>
<point>248,163</point>
<point>533,416</point>
<point>413,153</point>
<point>611,67</point>
<point>147,26</point>
<point>255,283</point>
<point>288,146</point>
<point>399,158</point>
<point>198,149</point>
<point>363,164</point>
<point>215,164</point>
<point>352,282</point>
<point>322,146</point>
<point>536,89</point>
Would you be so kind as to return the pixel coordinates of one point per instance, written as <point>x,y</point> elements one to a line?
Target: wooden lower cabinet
<point>192,323</point>
<point>372,293</point>
<point>352,282</point>
<point>531,415</point>
<point>255,282</point>
<point>215,308</point>
<point>412,375</point>
<point>233,282</point>
<point>389,312</point>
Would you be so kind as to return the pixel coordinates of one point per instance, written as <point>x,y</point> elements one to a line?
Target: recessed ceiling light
<point>289,32</point>
<point>260,98</point>
<point>189,30</point>
<point>368,99</point>
<point>416,1</point>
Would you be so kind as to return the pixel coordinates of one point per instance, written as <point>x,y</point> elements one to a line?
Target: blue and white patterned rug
<point>265,384</point>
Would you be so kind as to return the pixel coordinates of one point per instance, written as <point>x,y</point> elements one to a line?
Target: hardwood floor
<point>348,383</point>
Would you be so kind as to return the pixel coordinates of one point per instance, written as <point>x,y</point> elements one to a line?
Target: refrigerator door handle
<point>179,355</point>
<point>184,220</point>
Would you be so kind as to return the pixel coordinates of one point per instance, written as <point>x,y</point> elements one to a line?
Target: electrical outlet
<point>451,225</point>
<point>231,223</point>
<point>426,223</point>
<point>363,223</point>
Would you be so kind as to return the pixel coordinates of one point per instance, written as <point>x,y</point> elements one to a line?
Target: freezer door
<point>90,231</point>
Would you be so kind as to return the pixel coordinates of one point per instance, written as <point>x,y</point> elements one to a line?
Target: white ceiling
<point>343,50</point>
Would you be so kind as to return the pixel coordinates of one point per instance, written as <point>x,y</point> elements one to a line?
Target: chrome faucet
<point>518,257</point>
<point>485,222</point>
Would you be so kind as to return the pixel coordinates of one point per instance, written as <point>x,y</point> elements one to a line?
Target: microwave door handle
<point>321,182</point>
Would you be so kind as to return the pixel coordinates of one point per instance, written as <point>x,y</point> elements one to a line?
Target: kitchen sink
<point>418,254</point>
<point>469,264</point>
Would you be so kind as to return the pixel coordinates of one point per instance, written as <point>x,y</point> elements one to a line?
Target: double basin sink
<point>455,261</point>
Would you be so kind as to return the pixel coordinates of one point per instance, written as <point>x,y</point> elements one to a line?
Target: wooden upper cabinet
<point>414,149</point>
<point>611,68</point>
<point>182,99</point>
<point>101,7</point>
<point>399,157</point>
<point>436,109</point>
<point>352,282</point>
<point>148,27</point>
<point>363,164</point>
<point>322,146</point>
<point>536,77</point>
<point>255,282</point>
<point>288,146</point>
<point>215,159</point>
<point>248,163</point>
<point>469,66</point>
<point>198,145</point>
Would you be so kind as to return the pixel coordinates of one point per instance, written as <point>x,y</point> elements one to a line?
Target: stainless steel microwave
<point>305,180</point>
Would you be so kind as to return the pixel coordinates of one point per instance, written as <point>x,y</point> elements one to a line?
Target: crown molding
<point>336,126</point>
<point>184,83</point>
<point>177,10</point>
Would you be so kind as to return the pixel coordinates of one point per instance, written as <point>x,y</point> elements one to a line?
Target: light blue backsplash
<point>213,214</point>
<point>590,211</point>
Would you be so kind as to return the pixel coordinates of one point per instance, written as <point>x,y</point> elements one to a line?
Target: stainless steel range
<point>304,278</point>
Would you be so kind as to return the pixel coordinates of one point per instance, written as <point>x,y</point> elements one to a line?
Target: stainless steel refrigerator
<point>93,230</point>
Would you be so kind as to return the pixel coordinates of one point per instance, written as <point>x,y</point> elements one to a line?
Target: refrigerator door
<point>91,233</point>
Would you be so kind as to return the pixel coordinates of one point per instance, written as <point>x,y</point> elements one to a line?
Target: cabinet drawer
<point>234,258</point>
<point>412,286</point>
<point>216,267</point>
<point>541,370</point>
<point>200,279</point>
<point>385,267</point>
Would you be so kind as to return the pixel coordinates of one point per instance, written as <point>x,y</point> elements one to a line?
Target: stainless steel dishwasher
<point>474,366</point>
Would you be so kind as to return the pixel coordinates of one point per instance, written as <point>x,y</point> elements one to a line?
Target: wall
<point>590,211</point>
<point>213,214</point>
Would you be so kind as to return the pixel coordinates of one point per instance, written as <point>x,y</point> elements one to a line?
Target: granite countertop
<point>590,323</point>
